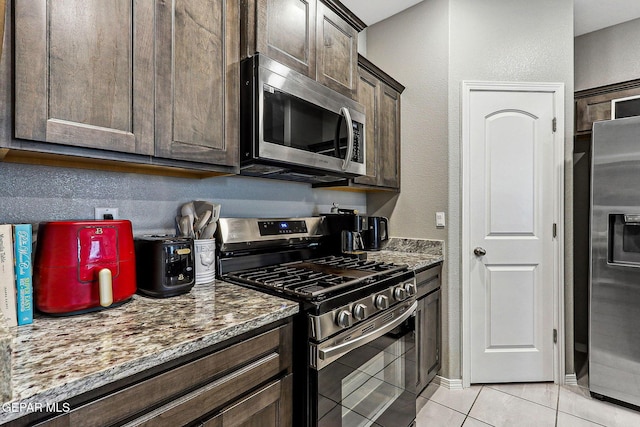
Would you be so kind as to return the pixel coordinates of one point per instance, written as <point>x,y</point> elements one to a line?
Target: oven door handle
<point>346,347</point>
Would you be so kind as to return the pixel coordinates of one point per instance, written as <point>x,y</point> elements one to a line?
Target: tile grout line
<point>557,404</point>
<point>450,409</point>
<point>524,398</point>
<point>470,407</point>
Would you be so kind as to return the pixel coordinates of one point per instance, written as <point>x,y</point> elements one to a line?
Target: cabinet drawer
<point>203,400</point>
<point>268,407</point>
<point>218,375</point>
<point>428,280</point>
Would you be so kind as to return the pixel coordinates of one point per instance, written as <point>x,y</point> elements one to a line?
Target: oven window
<point>373,385</point>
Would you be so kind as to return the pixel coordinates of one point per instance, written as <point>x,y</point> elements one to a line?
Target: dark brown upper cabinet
<point>336,52</point>
<point>81,79</point>
<point>594,104</point>
<point>154,78</point>
<point>380,94</point>
<point>317,39</point>
<point>197,80</point>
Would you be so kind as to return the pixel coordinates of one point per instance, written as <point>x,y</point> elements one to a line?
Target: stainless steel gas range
<point>354,339</point>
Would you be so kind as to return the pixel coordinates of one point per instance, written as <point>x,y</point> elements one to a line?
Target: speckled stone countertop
<point>418,254</point>
<point>6,344</point>
<point>57,358</point>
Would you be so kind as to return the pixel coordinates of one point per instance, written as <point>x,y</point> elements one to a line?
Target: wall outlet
<point>440,219</point>
<point>106,213</point>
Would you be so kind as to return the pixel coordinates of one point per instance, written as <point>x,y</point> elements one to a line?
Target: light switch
<point>440,219</point>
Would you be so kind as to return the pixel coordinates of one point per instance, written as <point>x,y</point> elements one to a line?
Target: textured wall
<point>610,55</point>
<point>431,48</point>
<point>516,40</point>
<point>40,193</point>
<point>412,47</point>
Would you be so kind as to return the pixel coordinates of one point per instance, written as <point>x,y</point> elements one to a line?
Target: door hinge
<point>555,230</point>
<point>554,124</point>
<point>555,336</point>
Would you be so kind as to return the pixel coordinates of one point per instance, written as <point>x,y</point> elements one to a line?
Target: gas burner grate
<point>355,263</point>
<point>317,277</point>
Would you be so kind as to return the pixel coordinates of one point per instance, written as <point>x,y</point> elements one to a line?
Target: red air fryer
<point>83,266</point>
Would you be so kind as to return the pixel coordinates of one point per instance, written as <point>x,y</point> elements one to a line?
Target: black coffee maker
<point>352,233</point>
<point>346,231</point>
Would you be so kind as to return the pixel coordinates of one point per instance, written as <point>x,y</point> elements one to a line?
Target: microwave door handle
<point>336,139</point>
<point>344,111</point>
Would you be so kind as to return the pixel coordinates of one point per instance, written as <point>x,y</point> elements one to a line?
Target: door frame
<point>557,89</point>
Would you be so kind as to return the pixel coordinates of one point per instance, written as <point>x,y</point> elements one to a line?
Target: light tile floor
<point>532,404</point>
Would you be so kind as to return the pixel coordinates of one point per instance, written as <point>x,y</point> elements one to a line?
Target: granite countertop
<point>416,253</point>
<point>55,359</point>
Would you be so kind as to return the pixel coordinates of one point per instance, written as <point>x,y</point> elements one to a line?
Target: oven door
<point>366,376</point>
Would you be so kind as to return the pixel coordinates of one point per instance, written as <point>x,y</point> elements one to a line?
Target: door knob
<point>479,251</point>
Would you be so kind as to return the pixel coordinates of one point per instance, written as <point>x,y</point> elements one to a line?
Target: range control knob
<point>382,302</point>
<point>359,311</point>
<point>399,294</point>
<point>343,319</point>
<point>411,288</point>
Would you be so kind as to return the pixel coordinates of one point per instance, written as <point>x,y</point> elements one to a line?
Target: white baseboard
<point>455,384</point>
<point>570,379</point>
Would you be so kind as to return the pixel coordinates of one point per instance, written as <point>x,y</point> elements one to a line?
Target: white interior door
<point>511,195</point>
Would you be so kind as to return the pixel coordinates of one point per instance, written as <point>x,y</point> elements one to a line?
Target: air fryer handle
<point>105,283</point>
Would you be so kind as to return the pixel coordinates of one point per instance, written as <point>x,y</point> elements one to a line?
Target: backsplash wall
<point>33,193</point>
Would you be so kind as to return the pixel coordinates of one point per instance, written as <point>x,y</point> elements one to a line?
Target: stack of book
<point>16,274</point>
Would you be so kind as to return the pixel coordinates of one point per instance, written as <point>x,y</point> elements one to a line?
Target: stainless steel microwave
<point>293,128</point>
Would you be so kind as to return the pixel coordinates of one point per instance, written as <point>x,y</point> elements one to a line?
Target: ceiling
<point>592,15</point>
<point>589,15</point>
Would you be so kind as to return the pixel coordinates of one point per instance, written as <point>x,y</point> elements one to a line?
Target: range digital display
<point>274,228</point>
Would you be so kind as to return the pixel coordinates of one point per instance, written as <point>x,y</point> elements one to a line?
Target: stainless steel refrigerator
<point>614,321</point>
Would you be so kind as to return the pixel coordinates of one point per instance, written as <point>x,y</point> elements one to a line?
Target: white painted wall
<point>607,56</point>
<point>431,48</point>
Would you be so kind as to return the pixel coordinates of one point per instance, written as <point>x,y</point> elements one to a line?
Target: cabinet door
<point>432,334</point>
<point>84,73</point>
<point>197,80</point>
<point>388,142</point>
<point>285,30</point>
<point>367,94</point>
<point>598,107</point>
<point>267,407</point>
<point>337,52</point>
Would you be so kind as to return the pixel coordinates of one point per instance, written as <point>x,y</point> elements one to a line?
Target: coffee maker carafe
<point>351,242</point>
<point>346,232</point>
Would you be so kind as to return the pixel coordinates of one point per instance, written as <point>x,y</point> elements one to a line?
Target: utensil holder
<point>205,260</point>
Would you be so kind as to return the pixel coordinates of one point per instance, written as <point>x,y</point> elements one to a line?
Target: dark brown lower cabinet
<point>428,325</point>
<point>268,407</point>
<point>245,384</point>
